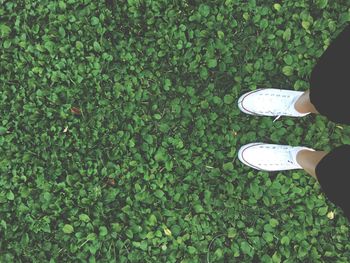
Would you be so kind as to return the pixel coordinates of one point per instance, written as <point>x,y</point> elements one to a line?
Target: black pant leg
<point>334,176</point>
<point>330,80</point>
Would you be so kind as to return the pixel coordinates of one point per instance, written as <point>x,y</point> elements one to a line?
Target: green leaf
<point>277,7</point>
<point>322,3</point>
<point>288,70</point>
<point>97,46</point>
<point>246,249</point>
<point>228,167</point>
<point>152,220</point>
<point>268,237</point>
<point>231,232</point>
<point>322,211</point>
<point>91,236</point>
<point>2,130</point>
<point>116,227</point>
<point>167,84</point>
<point>176,230</point>
<point>84,218</point>
<point>276,258</point>
<point>160,155</point>
<point>103,231</point>
<point>68,229</point>
<point>79,45</point>
<point>264,23</point>
<point>221,34</point>
<point>169,165</point>
<point>218,253</point>
<point>203,73</point>
<point>47,196</point>
<point>198,208</point>
<point>212,63</point>
<point>273,222</point>
<point>10,196</point>
<point>159,193</point>
<point>285,240</point>
<point>143,245</point>
<point>50,46</point>
<point>217,100</point>
<point>228,99</point>
<point>95,21</point>
<point>7,44</point>
<point>157,116</point>
<point>62,32</point>
<point>163,127</point>
<point>204,10</point>
<point>287,34</point>
<point>204,104</point>
<point>288,59</point>
<point>303,249</point>
<point>62,5</point>
<point>306,24</point>
<point>191,249</point>
<point>4,30</point>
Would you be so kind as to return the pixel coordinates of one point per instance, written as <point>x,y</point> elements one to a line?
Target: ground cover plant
<point>119,132</point>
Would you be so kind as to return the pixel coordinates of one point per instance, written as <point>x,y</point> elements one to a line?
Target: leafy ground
<point>119,132</point>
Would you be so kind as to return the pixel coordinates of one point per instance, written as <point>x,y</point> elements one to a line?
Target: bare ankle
<point>304,105</point>
<point>308,160</point>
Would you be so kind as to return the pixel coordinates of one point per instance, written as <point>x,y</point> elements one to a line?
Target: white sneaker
<point>270,157</point>
<point>271,102</point>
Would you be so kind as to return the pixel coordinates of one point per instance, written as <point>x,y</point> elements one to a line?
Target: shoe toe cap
<point>249,103</point>
<point>247,154</point>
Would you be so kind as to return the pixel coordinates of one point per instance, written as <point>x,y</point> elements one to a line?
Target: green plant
<point>119,132</point>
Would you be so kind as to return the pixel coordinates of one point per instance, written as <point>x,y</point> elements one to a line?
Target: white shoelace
<point>279,116</point>
<point>288,106</point>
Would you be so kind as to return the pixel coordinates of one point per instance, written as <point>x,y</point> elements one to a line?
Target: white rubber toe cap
<point>244,103</point>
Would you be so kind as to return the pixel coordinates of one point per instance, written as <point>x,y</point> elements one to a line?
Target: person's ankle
<point>301,104</point>
<point>301,155</point>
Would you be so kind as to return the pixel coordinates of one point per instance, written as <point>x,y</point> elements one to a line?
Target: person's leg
<point>304,105</point>
<point>330,79</point>
<point>332,172</point>
<point>308,160</point>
